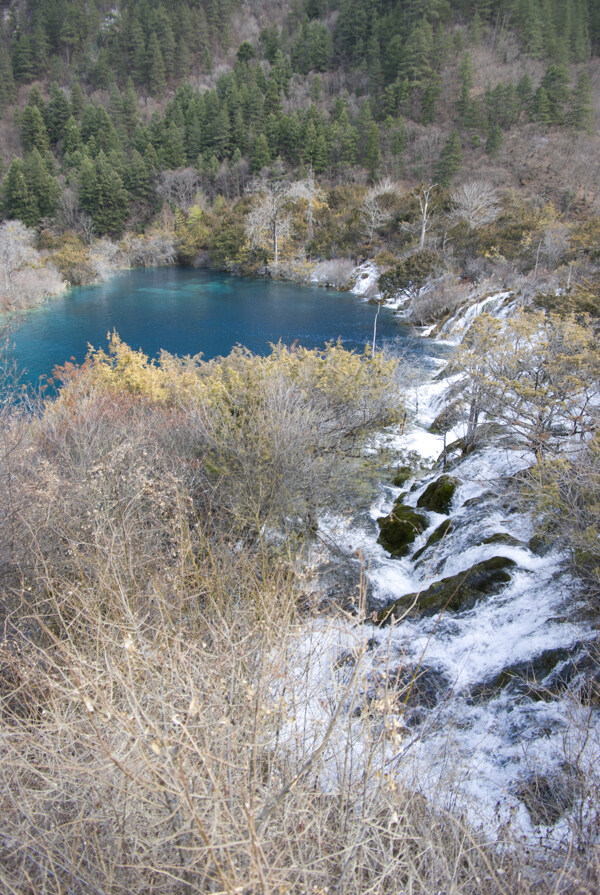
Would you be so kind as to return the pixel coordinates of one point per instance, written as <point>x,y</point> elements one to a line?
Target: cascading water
<point>496,722</point>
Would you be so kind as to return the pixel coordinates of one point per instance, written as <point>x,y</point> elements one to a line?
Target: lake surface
<point>194,311</point>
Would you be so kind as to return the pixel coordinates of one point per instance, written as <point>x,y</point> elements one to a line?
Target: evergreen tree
<point>77,100</point>
<point>172,153</point>
<point>129,109</point>
<point>8,90</point>
<point>17,199</point>
<point>261,156</point>
<point>58,114</point>
<point>540,110</point>
<point>72,137</point>
<point>137,178</point>
<point>465,77</point>
<point>556,84</point>
<point>41,184</point>
<point>525,92</point>
<point>157,80</point>
<point>33,130</point>
<point>103,196</point>
<point>494,141</point>
<point>450,160</point>
<point>22,58</point>
<point>581,110</point>
<point>372,156</point>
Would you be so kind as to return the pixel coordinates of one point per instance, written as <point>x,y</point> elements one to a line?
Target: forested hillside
<point>113,114</point>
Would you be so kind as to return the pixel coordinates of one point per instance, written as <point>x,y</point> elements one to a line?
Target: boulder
<point>435,537</point>
<point>455,593</point>
<point>399,529</point>
<point>438,495</point>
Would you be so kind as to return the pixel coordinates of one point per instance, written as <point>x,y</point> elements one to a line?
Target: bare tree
<point>72,217</point>
<point>476,203</point>
<point>179,188</point>
<point>424,196</point>
<point>374,213</point>
<point>309,191</point>
<point>16,252</point>
<point>269,221</point>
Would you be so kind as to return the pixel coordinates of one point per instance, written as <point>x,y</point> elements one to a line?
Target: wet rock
<point>437,497</point>
<point>339,581</point>
<point>502,537</point>
<point>399,529</point>
<point>456,593</point>
<point>548,796</point>
<point>440,532</point>
<point>419,690</point>
<point>522,678</point>
<point>540,545</point>
<point>447,419</point>
<point>548,675</point>
<point>401,476</point>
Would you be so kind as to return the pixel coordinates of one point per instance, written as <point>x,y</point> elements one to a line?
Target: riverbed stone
<point>401,476</point>
<point>455,593</point>
<point>399,529</point>
<point>438,495</point>
<point>435,537</point>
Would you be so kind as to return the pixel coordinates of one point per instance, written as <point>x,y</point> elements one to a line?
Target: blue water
<point>190,311</point>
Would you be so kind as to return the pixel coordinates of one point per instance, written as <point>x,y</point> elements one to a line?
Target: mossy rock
<point>456,593</point>
<point>401,476</point>
<point>447,419</point>
<point>540,544</point>
<point>438,495</point>
<point>524,678</point>
<point>399,529</point>
<point>435,537</point>
<point>503,537</point>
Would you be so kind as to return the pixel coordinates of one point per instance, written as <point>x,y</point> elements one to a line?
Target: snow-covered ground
<point>470,743</point>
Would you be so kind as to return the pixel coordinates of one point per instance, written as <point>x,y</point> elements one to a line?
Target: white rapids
<point>466,741</point>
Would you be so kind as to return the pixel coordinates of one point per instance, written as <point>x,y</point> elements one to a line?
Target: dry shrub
<point>150,691</point>
<point>336,273</point>
<point>444,297</point>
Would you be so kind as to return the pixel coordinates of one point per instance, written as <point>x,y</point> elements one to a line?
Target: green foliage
<point>410,274</point>
<point>450,160</point>
<point>102,195</point>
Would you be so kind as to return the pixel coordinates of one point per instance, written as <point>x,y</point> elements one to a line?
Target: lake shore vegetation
<point>164,522</point>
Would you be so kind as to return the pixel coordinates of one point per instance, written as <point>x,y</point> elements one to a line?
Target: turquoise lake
<point>194,311</point>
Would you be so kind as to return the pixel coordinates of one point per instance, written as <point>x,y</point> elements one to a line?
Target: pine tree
<point>372,157</point>
<point>41,184</point>
<point>17,199</point>
<point>129,109</point>
<point>58,114</point>
<point>157,80</point>
<point>581,110</point>
<point>22,58</point>
<point>137,52</point>
<point>172,153</point>
<point>494,141</point>
<point>540,110</point>
<point>33,130</point>
<point>103,196</point>
<point>525,92</point>
<point>8,90</point>
<point>137,178</point>
<point>450,160</point>
<point>260,154</point>
<point>77,100</point>
<point>72,137</point>
<point>465,77</point>
<point>556,84</point>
